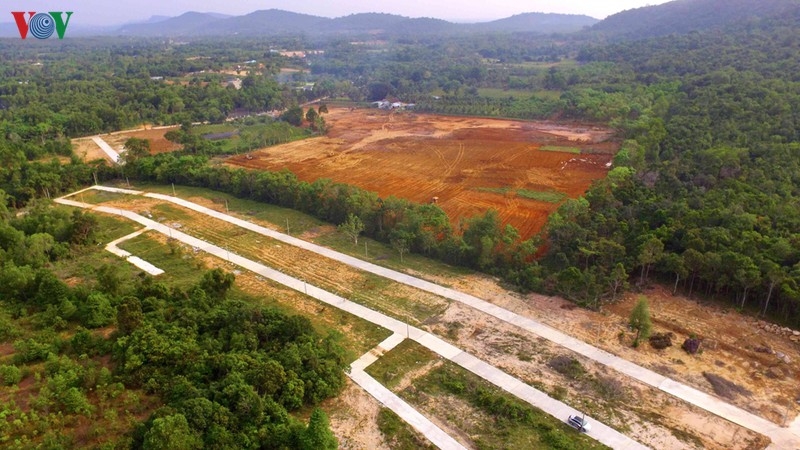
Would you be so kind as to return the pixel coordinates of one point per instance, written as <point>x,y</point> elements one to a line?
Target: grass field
<point>542,196</point>
<point>559,148</point>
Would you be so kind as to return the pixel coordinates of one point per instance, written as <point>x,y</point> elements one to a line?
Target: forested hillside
<point>685,16</point>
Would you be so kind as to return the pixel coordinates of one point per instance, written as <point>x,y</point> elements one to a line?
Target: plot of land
<point>470,164</point>
<point>87,150</point>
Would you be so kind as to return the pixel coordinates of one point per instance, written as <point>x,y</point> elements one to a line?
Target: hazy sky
<point>113,12</point>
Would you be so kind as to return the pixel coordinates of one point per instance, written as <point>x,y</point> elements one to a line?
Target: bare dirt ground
<point>729,349</point>
<point>419,156</point>
<point>158,143</point>
<point>87,150</point>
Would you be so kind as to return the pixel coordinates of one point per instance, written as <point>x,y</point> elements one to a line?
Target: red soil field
<point>419,157</point>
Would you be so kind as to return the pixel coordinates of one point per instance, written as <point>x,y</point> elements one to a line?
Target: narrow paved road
<point>782,438</point>
<point>406,412</point>
<point>557,409</point>
<point>107,149</point>
<point>135,260</point>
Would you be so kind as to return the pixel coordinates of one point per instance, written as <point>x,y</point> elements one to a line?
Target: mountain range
<point>274,22</point>
<point>676,17</point>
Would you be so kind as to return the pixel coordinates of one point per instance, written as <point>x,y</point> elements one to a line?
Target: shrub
<point>691,345</point>
<point>567,366</point>
<point>661,341</point>
<point>10,375</point>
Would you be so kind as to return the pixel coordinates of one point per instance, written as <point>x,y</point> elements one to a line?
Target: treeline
<point>482,242</point>
<point>227,373</point>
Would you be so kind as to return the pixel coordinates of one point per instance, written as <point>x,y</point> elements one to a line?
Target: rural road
<point>135,260</point>
<point>107,149</point>
<point>782,438</point>
<point>389,399</point>
<point>557,409</point>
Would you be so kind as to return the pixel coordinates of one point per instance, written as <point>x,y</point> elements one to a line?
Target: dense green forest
<point>203,369</point>
<point>704,196</point>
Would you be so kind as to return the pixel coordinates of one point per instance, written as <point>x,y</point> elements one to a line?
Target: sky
<point>115,12</point>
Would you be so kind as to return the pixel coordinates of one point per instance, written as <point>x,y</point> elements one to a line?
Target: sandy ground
<point>456,159</point>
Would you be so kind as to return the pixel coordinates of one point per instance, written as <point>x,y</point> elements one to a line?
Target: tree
<point>129,315</point>
<point>136,148</point>
<point>352,227</point>
<point>171,433</point>
<point>323,108</point>
<point>649,253</point>
<point>217,282</point>
<point>618,279</point>
<point>293,115</point>
<point>311,116</point>
<point>400,241</point>
<point>640,321</point>
<point>318,435</point>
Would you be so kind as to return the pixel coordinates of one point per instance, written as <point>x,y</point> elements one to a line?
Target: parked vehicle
<point>579,423</point>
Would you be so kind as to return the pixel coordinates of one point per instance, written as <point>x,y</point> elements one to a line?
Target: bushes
<point>567,366</point>
<point>10,375</point>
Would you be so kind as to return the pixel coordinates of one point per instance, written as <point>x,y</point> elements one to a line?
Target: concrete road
<point>782,438</point>
<point>561,411</point>
<point>107,149</point>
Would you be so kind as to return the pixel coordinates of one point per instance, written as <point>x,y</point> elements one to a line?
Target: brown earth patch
<point>420,156</point>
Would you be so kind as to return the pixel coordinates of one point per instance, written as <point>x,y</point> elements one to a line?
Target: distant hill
<point>263,23</point>
<point>275,21</point>
<point>186,24</point>
<point>539,23</point>
<point>684,16</point>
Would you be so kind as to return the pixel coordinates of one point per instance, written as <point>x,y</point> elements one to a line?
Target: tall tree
<point>352,227</point>
<point>640,321</point>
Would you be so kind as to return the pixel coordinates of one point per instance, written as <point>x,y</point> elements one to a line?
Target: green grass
<point>85,261</point>
<point>398,434</point>
<point>95,197</point>
<point>180,268</point>
<point>497,419</point>
<point>298,222</point>
<point>559,148</point>
<point>542,196</point>
<point>390,369</point>
<point>213,128</point>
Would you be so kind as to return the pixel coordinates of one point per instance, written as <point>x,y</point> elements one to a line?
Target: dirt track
<point>456,159</point>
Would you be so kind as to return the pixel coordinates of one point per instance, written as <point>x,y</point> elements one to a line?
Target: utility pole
<point>287,226</point>
<point>173,190</point>
<point>95,178</point>
<point>227,211</point>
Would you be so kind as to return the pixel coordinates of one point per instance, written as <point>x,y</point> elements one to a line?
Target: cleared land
<point>471,164</point>
<point>87,150</point>
<point>644,413</point>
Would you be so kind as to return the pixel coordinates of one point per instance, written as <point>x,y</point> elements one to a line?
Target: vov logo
<point>41,25</point>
